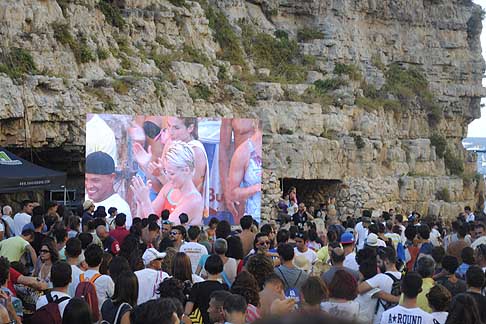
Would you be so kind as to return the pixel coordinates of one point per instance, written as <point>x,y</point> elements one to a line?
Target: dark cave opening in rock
<point>312,192</point>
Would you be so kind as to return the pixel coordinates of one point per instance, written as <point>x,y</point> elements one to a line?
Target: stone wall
<point>143,65</point>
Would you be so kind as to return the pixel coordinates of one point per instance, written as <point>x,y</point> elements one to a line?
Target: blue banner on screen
<point>187,169</point>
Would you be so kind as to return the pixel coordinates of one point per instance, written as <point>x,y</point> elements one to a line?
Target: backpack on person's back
<point>291,291</point>
<point>49,313</point>
<point>86,290</point>
<point>113,312</point>
<point>395,291</point>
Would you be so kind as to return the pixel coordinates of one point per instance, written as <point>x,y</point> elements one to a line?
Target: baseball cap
<point>100,163</point>
<point>411,218</point>
<point>152,254</point>
<point>88,203</point>
<point>372,240</point>
<point>347,238</point>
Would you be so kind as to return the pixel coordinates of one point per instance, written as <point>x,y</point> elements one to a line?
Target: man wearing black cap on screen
<point>99,180</point>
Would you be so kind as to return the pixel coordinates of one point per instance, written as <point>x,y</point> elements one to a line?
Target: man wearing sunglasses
<point>177,236</point>
<point>261,245</point>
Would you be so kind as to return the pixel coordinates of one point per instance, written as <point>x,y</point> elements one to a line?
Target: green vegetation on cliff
<point>16,62</point>
<point>410,86</point>
<point>279,54</point>
<point>307,34</point>
<point>112,13</point>
<point>224,34</point>
<point>81,50</point>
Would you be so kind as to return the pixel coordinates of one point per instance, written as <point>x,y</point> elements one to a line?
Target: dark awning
<point>17,174</point>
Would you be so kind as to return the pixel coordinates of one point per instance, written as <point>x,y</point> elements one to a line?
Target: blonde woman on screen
<point>245,175</point>
<point>184,129</point>
<point>179,194</point>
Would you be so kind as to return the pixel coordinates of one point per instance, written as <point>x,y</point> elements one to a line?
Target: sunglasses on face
<point>44,251</point>
<point>174,233</point>
<point>264,243</point>
<point>151,129</point>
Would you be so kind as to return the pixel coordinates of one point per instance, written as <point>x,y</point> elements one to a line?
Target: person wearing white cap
<point>150,278</point>
<point>373,241</point>
<point>88,209</point>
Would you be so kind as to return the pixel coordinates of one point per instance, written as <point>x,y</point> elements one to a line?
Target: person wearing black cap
<point>99,180</point>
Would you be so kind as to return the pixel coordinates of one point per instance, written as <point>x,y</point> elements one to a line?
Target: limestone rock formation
<point>370,97</point>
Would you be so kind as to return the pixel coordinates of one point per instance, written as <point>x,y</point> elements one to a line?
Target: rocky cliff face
<point>374,96</point>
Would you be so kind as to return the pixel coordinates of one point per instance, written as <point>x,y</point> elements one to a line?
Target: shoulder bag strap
<point>93,278</point>
<point>297,280</point>
<point>119,310</point>
<point>395,279</point>
<point>283,277</point>
<point>60,300</point>
<point>49,297</point>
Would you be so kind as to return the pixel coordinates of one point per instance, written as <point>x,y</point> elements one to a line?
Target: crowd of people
<point>59,267</point>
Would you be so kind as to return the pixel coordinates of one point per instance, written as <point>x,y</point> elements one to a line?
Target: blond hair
<point>180,155</point>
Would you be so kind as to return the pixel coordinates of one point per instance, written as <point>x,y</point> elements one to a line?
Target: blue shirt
<point>461,271</point>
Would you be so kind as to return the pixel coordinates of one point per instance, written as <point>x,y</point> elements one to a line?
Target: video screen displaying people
<point>196,168</point>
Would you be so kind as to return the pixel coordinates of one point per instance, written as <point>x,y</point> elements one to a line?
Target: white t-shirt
<point>350,262</point>
<point>367,307</point>
<point>75,273</point>
<point>309,254</point>
<point>361,235</point>
<point>470,218</point>
<point>439,317</point>
<point>148,284</point>
<point>400,314</point>
<point>42,301</point>
<point>104,286</point>
<point>381,243</point>
<point>194,251</point>
<point>434,237</point>
<point>402,234</point>
<point>480,240</point>
<point>120,204</point>
<point>346,311</point>
<point>384,283</point>
<point>9,220</point>
<point>20,220</point>
<point>100,137</point>
<point>230,268</point>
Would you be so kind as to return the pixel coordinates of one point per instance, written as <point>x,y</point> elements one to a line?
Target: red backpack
<point>49,313</point>
<point>86,290</point>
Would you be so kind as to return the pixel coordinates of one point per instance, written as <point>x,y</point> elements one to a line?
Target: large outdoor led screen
<point>201,167</point>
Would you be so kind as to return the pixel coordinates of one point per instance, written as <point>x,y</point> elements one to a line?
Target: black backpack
<point>395,291</point>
